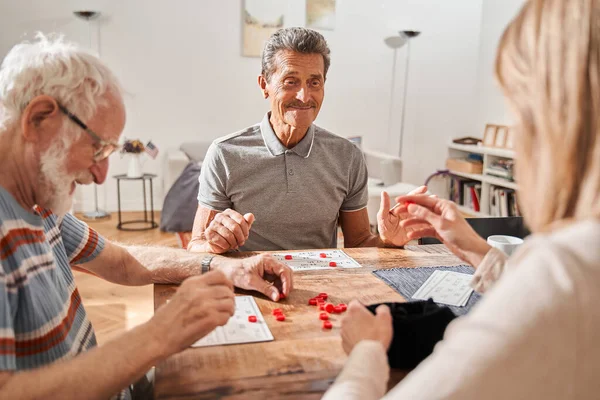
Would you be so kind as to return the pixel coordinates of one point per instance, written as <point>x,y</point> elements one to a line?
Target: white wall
<point>492,108</point>
<point>180,64</point>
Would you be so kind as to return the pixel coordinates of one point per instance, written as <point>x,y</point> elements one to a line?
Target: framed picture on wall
<point>320,14</point>
<point>501,133</point>
<point>489,135</point>
<point>260,19</point>
<point>510,139</point>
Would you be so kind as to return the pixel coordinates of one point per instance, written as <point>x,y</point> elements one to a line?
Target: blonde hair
<point>548,65</point>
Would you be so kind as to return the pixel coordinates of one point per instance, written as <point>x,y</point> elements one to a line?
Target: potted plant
<point>134,149</point>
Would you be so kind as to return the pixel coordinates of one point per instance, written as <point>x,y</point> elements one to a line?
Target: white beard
<point>56,184</point>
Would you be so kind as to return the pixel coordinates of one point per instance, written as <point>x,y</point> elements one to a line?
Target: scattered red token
<point>337,309</point>
<point>327,325</point>
<point>280,317</point>
<point>322,306</point>
<point>323,296</point>
<point>323,255</point>
<point>409,202</point>
<point>329,308</point>
<point>343,306</point>
<point>277,311</point>
<point>281,296</point>
<point>252,318</point>
<point>324,316</point>
<point>312,302</point>
<point>332,264</point>
<point>288,257</point>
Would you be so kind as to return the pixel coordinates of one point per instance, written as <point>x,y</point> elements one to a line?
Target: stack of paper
<point>446,287</point>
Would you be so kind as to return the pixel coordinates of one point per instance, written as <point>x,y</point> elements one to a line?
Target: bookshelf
<point>489,155</point>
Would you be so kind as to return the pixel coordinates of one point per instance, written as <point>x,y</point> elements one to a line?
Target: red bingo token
<point>327,325</point>
<point>332,264</point>
<point>252,318</point>
<point>280,317</point>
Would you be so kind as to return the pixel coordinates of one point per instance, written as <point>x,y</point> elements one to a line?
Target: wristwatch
<point>206,263</point>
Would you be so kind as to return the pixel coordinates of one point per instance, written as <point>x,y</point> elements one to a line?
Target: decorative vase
<point>135,166</point>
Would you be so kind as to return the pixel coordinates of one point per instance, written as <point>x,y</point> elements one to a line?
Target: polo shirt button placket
<point>289,156</point>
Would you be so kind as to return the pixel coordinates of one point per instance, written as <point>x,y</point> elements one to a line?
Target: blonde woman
<point>535,333</point>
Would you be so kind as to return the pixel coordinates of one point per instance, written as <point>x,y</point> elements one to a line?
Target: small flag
<point>151,149</point>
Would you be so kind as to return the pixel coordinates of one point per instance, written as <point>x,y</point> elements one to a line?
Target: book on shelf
<point>503,202</point>
<point>466,192</point>
<point>501,168</point>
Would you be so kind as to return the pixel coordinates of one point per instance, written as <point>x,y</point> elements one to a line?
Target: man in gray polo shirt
<point>285,183</point>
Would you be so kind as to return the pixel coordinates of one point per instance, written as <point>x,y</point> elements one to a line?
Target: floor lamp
<point>89,16</point>
<point>396,42</point>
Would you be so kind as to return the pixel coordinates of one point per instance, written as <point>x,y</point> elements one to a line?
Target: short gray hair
<point>299,40</point>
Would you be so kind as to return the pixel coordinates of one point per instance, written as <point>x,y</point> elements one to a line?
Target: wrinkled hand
<point>360,324</point>
<point>227,231</point>
<point>443,220</point>
<point>262,273</point>
<point>388,221</point>
<point>200,304</point>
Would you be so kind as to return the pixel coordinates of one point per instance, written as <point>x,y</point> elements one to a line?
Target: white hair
<point>51,66</point>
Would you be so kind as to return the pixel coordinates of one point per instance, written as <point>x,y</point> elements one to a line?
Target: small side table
<point>149,223</point>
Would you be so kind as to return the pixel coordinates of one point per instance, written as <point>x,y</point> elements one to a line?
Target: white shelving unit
<point>489,155</point>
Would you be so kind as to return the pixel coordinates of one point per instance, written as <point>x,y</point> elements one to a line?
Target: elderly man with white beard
<point>61,115</point>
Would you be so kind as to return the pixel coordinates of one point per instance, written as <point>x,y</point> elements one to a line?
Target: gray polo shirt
<point>295,194</point>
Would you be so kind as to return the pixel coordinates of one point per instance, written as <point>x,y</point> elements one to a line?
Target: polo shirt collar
<point>277,148</point>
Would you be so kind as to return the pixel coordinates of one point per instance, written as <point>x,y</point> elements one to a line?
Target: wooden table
<point>303,360</point>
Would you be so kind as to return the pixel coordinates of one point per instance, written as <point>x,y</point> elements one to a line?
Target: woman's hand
<point>360,324</point>
<point>448,224</point>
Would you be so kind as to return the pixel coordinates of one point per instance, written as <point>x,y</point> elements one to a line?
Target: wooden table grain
<point>303,360</point>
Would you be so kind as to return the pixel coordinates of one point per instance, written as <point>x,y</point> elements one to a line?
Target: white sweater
<point>534,335</point>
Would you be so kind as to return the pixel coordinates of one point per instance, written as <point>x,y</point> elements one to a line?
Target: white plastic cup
<point>388,172</point>
<point>508,244</point>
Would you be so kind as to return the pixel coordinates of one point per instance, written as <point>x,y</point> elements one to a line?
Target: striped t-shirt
<point>42,319</point>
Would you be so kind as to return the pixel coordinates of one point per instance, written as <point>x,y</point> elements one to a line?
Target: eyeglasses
<point>104,148</point>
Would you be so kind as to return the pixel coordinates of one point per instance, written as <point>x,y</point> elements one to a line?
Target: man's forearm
<point>368,241</point>
<point>166,264</point>
<point>97,374</point>
<point>197,245</point>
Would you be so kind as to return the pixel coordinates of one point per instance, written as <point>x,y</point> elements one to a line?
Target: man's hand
<point>430,216</point>
<point>262,273</point>
<point>360,324</point>
<point>391,232</point>
<point>200,304</point>
<point>227,231</point>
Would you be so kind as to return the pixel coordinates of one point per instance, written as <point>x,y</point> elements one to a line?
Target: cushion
<point>181,202</point>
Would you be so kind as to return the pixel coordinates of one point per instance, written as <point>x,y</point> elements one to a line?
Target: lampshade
<point>395,42</point>
<point>87,14</point>
<point>409,34</point>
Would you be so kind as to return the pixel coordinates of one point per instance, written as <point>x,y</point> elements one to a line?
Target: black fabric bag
<point>418,326</point>
<point>181,202</point>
